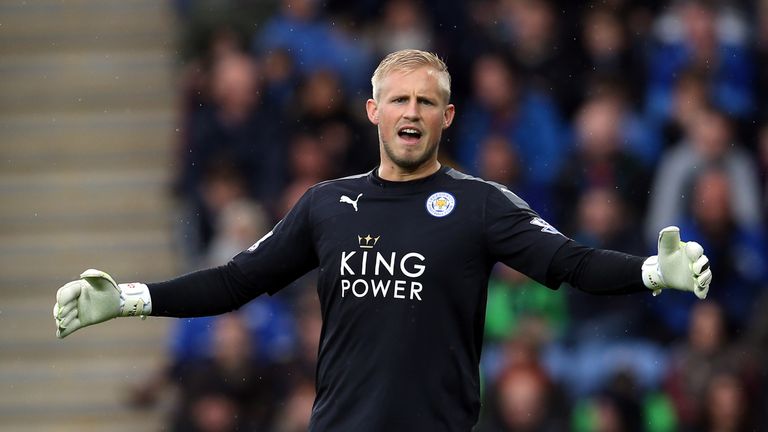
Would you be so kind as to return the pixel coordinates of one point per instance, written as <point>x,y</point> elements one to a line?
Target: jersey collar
<point>374,178</point>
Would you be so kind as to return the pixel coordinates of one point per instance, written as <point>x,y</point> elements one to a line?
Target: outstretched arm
<point>206,292</point>
<point>278,258</point>
<point>678,265</point>
<point>96,297</point>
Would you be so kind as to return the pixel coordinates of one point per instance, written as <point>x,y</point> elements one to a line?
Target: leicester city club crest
<point>440,204</point>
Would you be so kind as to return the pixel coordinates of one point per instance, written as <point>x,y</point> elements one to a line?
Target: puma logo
<point>347,200</point>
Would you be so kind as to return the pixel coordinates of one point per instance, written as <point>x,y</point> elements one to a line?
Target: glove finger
<point>68,292</point>
<point>669,240</point>
<point>65,309</point>
<point>55,311</point>
<point>700,265</point>
<point>702,284</point>
<point>64,332</point>
<point>99,279</point>
<point>693,250</point>
<point>704,279</point>
<point>67,319</point>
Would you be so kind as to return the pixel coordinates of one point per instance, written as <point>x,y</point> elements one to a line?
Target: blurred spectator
<point>532,35</point>
<point>225,392</point>
<point>200,19</point>
<point>322,111</point>
<point>295,413</point>
<point>608,50</point>
<point>280,79</point>
<point>616,408</point>
<point>600,160</point>
<point>703,35</point>
<point>503,106</point>
<point>404,25</point>
<point>636,133</point>
<point>689,97</point>
<point>693,363</point>
<point>238,224</point>
<point>218,44</point>
<point>195,92</point>
<point>524,399</point>
<point>314,43</point>
<point>621,406</point>
<point>310,163</point>
<point>499,162</point>
<point>603,221</point>
<point>221,184</point>
<point>728,405</point>
<point>236,129</point>
<point>736,250</point>
<point>708,142</point>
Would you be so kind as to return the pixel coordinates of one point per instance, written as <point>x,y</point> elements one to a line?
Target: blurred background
<point>152,138</point>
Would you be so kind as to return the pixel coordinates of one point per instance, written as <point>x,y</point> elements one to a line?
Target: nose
<point>412,110</point>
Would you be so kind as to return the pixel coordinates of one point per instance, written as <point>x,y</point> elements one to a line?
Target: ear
<point>372,108</point>
<point>450,112</point>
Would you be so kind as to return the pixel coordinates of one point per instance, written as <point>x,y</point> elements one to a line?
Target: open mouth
<point>409,134</point>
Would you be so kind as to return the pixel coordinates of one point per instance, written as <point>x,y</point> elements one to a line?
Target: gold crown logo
<point>367,242</point>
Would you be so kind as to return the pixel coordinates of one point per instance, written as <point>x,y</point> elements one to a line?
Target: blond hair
<point>409,60</point>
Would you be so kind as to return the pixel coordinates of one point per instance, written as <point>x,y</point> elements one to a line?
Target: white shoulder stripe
<point>511,196</point>
<point>352,177</point>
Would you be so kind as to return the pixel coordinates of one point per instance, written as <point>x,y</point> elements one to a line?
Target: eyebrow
<point>418,98</point>
<point>424,98</point>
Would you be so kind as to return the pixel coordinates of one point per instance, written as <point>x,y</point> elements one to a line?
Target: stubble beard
<point>410,164</point>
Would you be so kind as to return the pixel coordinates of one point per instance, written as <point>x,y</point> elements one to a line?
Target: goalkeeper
<point>404,254</point>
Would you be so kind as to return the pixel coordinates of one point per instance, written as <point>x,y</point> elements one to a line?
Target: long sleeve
<point>206,292</point>
<point>596,271</point>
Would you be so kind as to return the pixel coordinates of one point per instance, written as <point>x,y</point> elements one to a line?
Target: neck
<point>391,172</point>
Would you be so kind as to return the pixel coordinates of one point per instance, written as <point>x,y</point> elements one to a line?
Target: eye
<point>400,99</point>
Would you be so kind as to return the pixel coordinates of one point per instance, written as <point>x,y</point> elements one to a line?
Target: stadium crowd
<point>612,119</point>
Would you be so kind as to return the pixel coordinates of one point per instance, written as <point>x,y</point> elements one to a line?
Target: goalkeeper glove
<point>679,265</point>
<point>96,298</point>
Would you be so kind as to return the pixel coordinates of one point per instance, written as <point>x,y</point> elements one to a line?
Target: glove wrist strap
<point>135,300</point>
<point>652,278</point>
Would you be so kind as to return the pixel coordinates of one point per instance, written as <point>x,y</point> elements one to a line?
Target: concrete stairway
<point>86,131</point>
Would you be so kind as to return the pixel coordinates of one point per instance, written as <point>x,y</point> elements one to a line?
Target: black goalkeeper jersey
<point>403,274</point>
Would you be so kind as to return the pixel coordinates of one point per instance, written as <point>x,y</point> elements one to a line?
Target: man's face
<point>411,113</point>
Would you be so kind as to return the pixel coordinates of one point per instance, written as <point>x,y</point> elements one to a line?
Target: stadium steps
<point>53,26</point>
<point>86,138</point>
<point>102,81</point>
<point>71,140</point>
